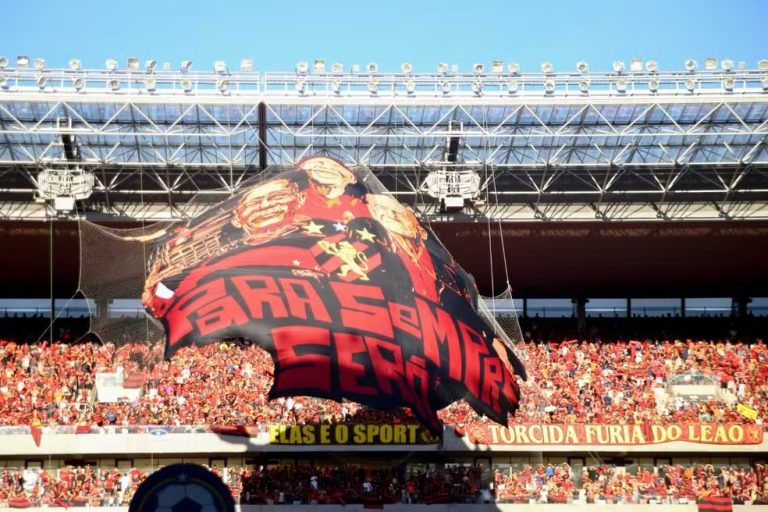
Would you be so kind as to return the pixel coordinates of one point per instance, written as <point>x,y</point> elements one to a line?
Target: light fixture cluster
<point>145,77</point>
<point>636,76</point>
<point>626,79</point>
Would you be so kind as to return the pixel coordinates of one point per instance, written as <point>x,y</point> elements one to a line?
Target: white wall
<point>22,445</point>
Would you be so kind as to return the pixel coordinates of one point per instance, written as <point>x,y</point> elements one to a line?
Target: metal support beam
<point>263,136</point>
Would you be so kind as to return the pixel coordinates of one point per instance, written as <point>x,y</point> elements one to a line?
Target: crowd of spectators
<point>627,382</point>
<point>427,483</point>
<point>68,486</point>
<point>569,382</point>
<point>601,484</point>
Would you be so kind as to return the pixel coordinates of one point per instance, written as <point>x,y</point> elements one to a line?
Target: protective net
<point>500,313</point>
<point>113,268</point>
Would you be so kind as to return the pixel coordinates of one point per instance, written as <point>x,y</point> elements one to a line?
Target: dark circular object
<point>182,488</point>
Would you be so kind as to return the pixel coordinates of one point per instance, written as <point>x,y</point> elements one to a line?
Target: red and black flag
<point>715,504</point>
<point>344,286</point>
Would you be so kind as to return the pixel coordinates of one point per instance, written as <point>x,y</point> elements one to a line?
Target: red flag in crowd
<point>715,504</point>
<point>37,433</point>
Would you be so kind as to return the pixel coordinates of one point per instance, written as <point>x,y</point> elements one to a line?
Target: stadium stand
<point>571,382</point>
<point>45,385</point>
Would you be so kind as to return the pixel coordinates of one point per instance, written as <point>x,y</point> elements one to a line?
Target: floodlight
<point>546,67</point>
<point>636,65</point>
<point>78,83</point>
<point>618,66</point>
<point>621,85</point>
<point>762,65</point>
<point>336,86</point>
<point>114,84</point>
<point>651,66</point>
<point>406,67</point>
<point>445,86</point>
<point>39,64</point>
<point>582,67</point>
<point>3,82</point>
<point>690,65</point>
<point>246,65</point>
<point>186,84</point>
<point>726,64</point>
<point>512,86</point>
<point>302,67</point>
<point>497,66</point>
<point>410,87</point>
<point>75,64</point>
<point>3,62</point>
<point>150,65</point>
<point>22,61</point>
<point>42,81</point>
<point>133,64</point>
<point>372,67</point>
<point>477,87</point>
<point>653,84</point>
<point>373,86</point>
<point>222,85</point>
<point>690,84</point>
<point>301,86</point>
<point>549,86</point>
<point>478,69</point>
<point>728,84</point>
<point>186,65</point>
<point>111,64</point>
<point>584,85</point>
<point>318,66</point>
<point>220,67</point>
<point>442,68</point>
<point>337,67</point>
<point>513,68</point>
<point>150,83</point>
<point>710,63</point>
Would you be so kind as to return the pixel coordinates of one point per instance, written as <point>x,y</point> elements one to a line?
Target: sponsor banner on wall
<point>592,434</point>
<point>338,434</point>
<point>387,434</point>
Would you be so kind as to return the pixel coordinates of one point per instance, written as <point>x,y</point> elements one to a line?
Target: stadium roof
<point>637,145</point>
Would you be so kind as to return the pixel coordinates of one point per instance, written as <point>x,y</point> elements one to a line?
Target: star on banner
<point>365,235</point>
<point>340,226</point>
<point>313,229</point>
<point>296,263</point>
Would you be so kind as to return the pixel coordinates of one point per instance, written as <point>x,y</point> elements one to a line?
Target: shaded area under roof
<point>654,259</point>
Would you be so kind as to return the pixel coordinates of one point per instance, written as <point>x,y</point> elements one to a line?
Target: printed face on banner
<point>351,295</point>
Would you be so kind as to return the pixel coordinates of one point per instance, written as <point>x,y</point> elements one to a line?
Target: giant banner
<point>348,291</point>
<point>592,434</point>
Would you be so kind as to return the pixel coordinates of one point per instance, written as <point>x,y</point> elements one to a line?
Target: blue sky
<point>276,34</point>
